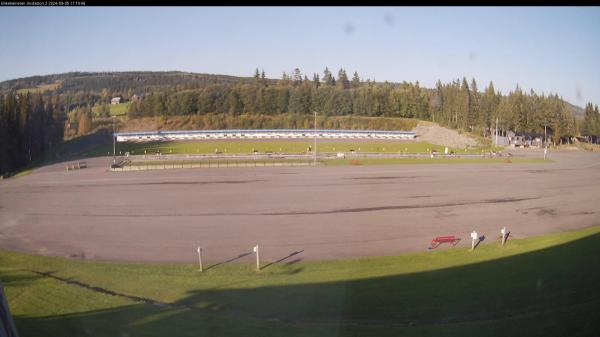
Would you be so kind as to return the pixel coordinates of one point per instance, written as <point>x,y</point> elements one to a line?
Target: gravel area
<point>435,134</point>
<point>322,212</point>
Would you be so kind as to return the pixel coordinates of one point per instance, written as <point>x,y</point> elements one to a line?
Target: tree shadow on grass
<point>548,292</point>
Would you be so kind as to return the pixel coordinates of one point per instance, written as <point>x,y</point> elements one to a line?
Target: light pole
<point>496,131</point>
<point>315,138</point>
<point>114,142</point>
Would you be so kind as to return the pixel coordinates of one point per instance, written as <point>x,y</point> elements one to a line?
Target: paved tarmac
<point>316,212</point>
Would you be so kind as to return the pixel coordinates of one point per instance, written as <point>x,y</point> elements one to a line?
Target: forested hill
<point>136,81</point>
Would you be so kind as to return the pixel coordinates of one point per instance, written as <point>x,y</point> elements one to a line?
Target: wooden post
<point>200,257</point>
<point>257,258</point>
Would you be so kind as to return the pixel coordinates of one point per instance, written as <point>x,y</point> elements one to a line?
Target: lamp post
<point>496,131</point>
<point>315,139</point>
<point>114,142</point>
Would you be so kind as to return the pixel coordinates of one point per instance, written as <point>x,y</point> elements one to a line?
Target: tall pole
<point>315,138</point>
<point>496,131</point>
<point>114,143</point>
<point>545,135</point>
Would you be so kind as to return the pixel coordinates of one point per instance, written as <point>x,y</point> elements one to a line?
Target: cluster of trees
<point>591,121</point>
<point>213,121</point>
<point>292,94</point>
<point>459,104</point>
<point>30,125</point>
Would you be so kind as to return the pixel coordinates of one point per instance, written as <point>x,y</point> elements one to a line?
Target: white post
<point>315,138</point>
<point>200,257</point>
<point>474,237</point>
<point>496,131</point>
<point>114,142</point>
<point>545,152</point>
<point>503,232</point>
<point>257,258</point>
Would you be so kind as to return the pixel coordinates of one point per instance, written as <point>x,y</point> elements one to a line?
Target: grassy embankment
<point>540,286</point>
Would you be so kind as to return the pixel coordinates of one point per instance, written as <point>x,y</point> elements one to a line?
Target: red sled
<point>453,240</point>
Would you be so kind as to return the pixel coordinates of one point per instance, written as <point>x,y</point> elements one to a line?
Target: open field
<point>540,286</point>
<point>40,89</point>
<point>329,212</point>
<point>120,109</point>
<point>277,146</point>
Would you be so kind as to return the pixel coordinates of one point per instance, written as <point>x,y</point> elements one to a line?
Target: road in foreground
<point>322,212</point>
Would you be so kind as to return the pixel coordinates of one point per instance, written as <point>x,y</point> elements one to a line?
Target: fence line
<point>209,164</point>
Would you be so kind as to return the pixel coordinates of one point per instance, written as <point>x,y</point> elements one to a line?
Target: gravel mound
<point>435,134</point>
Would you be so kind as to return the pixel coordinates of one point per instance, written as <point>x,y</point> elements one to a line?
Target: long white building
<point>157,136</point>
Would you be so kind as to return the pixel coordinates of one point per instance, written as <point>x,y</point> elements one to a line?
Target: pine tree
<point>589,123</point>
<point>355,80</point>
<point>327,77</point>
<point>316,81</point>
<point>263,78</point>
<point>596,121</point>
<point>474,105</point>
<point>343,81</point>
<point>297,77</point>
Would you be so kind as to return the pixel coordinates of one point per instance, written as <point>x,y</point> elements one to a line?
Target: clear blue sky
<point>554,49</point>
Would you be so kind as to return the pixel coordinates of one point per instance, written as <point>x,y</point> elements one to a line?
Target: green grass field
<point>541,286</point>
<point>277,146</point>
<point>40,89</point>
<point>120,109</point>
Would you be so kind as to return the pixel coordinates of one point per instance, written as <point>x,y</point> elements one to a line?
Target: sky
<point>547,49</point>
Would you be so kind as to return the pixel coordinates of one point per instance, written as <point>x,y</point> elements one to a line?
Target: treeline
<point>458,104</point>
<point>292,94</point>
<point>591,121</point>
<point>213,121</point>
<point>30,125</point>
<point>461,105</point>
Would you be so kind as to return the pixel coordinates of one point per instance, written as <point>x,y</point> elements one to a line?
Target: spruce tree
<point>355,80</point>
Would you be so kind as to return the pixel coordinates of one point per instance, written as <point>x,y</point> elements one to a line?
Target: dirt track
<point>322,212</point>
